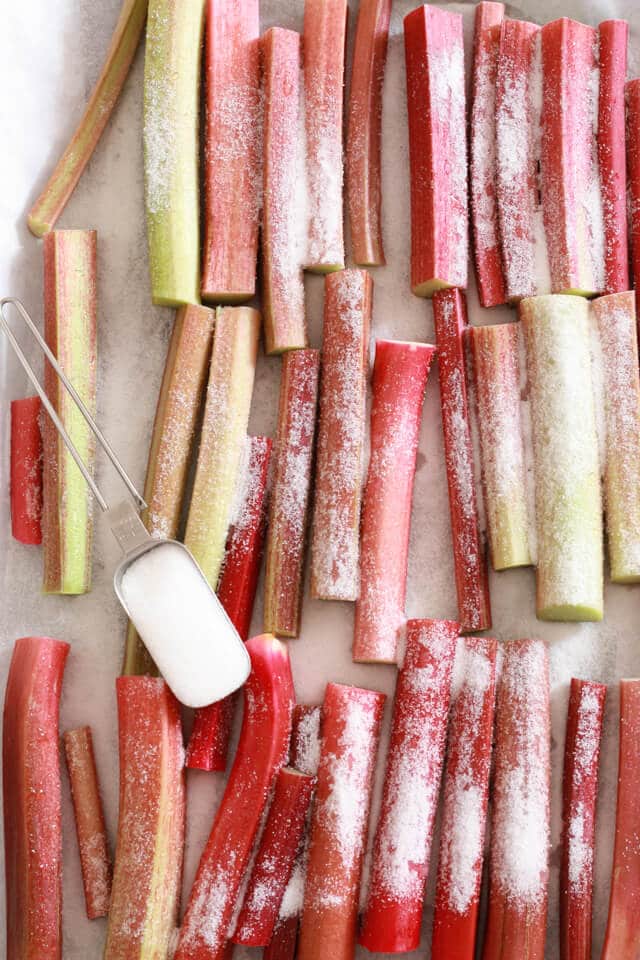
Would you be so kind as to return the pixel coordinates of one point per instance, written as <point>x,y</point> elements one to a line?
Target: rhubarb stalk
<point>26,470</point>
<point>632,92</point>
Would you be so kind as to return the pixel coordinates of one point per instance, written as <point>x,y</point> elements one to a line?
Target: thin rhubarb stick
<point>363,173</point>
<point>151,821</point>
<point>632,94</point>
<point>232,161</point>
<point>496,370</point>
<point>622,938</point>
<point>95,859</point>
<point>262,751</point>
<point>571,197</point>
<point>402,843</point>
<point>26,470</point>
<point>580,791</point>
<point>325,34</point>
<point>335,543</point>
<point>70,329</point>
<point>70,166</point>
<point>484,211</point>
<point>612,46</point>
<point>519,870</point>
<point>290,493</point>
<point>283,288</point>
<point>450,319</point>
<point>399,377</point>
<point>32,799</point>
<point>350,729</point>
<point>437,149</point>
<point>466,790</point>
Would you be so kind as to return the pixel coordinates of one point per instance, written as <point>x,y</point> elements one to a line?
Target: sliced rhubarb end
<point>26,470</point>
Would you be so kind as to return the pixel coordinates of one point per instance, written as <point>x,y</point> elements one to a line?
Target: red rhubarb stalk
<point>32,800</point>
<point>26,470</point>
<point>284,940</point>
<point>632,93</point>
<point>402,843</point>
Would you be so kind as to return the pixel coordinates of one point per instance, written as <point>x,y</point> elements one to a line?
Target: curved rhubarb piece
<point>262,751</point>
<point>579,795</point>
<point>519,870</point>
<point>632,94</point>
<point>363,173</point>
<point>399,377</point>
<point>69,168</point>
<point>484,210</point>
<point>32,799</point>
<point>26,470</point>
<point>402,843</point>
<point>466,791</point>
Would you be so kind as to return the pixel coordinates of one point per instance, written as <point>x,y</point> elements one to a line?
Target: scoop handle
<point>127,527</point>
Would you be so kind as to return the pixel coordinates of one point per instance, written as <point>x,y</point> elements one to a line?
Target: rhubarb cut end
<point>429,287</point>
<point>160,300</point>
<point>277,350</point>
<point>38,227</point>
<point>227,298</point>
<point>324,268</point>
<point>570,613</point>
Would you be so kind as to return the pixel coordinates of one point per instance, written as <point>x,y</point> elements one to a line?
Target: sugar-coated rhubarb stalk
<point>580,792</point>
<point>290,494</point>
<point>174,427</point>
<point>226,415</point>
<point>622,938</point>
<point>262,751</point>
<point>335,543</point>
<point>70,329</point>
<point>632,94</point>
<point>26,470</point>
<point>282,254</point>
<point>402,844</point>
<point>450,320</point>
<point>570,182</point>
<point>399,377</point>
<point>351,719</point>
<point>93,844</point>
<point>466,789</point>
<point>437,149</point>
<point>209,741</point>
<point>232,154</point>
<point>615,317</point>
<point>518,871</point>
<point>496,373</point>
<point>484,211</point>
<point>32,799</point>
<point>170,137</point>
<point>325,34</point>
<point>69,168</point>
<point>565,454</point>
<point>612,46</point>
<point>363,162</point>
<point>151,821</point>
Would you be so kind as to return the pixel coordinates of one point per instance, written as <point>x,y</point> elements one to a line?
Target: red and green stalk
<point>26,470</point>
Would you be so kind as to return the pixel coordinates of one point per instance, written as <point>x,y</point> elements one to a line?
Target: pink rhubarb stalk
<point>26,470</point>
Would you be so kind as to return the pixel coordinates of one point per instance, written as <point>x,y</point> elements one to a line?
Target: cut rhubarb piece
<point>282,244</point>
<point>565,454</point>
<point>496,370</point>
<point>484,210</point>
<point>304,752</point>
<point>402,843</point>
<point>472,586</point>
<point>290,494</point>
<point>262,751</point>
<point>466,789</point>
<point>350,729</point>
<point>95,859</point>
<point>284,940</point>
<point>580,792</point>
<point>32,799</point>
<point>335,543</point>
<point>632,92</point>
<point>226,415</point>
<point>170,136</point>
<point>325,35</point>
<point>437,149</point>
<point>232,153</point>
<point>26,470</point>
<point>571,196</point>
<point>612,42</point>
<point>622,939</point>
<point>518,871</point>
<point>363,164</point>
<point>70,331</point>
<point>69,168</point>
<point>615,318</point>
<point>151,821</point>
